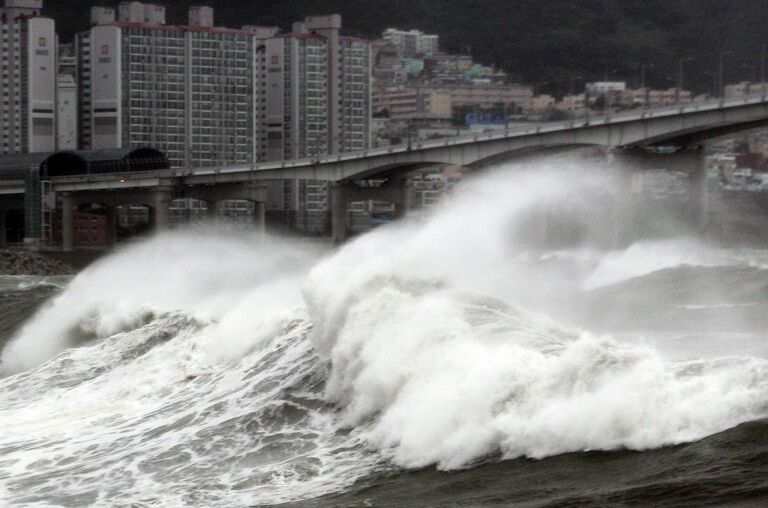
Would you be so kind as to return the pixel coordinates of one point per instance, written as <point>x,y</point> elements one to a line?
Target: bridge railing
<point>520,130</point>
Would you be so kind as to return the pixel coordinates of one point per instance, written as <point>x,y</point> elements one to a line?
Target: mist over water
<point>516,320</point>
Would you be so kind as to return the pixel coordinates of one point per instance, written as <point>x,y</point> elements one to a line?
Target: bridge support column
<point>210,211</point>
<point>338,213</point>
<point>3,230</point>
<point>112,216</point>
<point>700,191</point>
<point>260,212</point>
<point>67,215</point>
<point>404,205</point>
<point>162,200</point>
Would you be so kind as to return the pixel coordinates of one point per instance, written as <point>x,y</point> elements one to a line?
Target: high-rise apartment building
<point>348,76</point>
<point>296,120</point>
<point>27,78</point>
<point>355,94</point>
<point>189,90</point>
<point>316,102</point>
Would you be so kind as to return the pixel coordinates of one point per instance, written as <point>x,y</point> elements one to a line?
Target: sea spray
<point>215,277</point>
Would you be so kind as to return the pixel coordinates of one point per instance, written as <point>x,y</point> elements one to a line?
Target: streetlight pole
<point>762,68</point>
<point>570,94</point>
<point>680,78</point>
<point>721,82</point>
<point>646,95</point>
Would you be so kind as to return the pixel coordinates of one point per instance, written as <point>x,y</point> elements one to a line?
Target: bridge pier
<point>395,191</point>
<point>210,211</point>
<point>162,201</point>
<point>3,229</point>
<point>404,205</point>
<point>67,215</point>
<point>339,212</point>
<point>700,192</point>
<point>111,216</point>
<point>260,212</point>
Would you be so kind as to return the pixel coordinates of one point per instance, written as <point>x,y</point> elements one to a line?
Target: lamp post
<point>570,93</point>
<point>607,95</point>
<point>680,78</point>
<point>762,69</point>
<point>643,68</point>
<point>537,91</point>
<point>712,86</point>
<point>720,81</point>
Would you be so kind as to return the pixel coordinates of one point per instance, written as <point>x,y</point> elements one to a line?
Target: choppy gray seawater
<point>431,363</point>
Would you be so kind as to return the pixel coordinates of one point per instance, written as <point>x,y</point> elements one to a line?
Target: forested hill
<point>543,42</point>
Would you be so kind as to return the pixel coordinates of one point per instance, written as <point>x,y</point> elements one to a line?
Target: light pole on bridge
<point>643,85</point>
<point>762,68</point>
<point>679,91</point>
<point>572,79</point>
<point>721,81</point>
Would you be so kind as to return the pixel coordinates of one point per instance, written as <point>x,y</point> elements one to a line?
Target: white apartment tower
<point>317,92</point>
<point>190,91</point>
<point>412,43</point>
<point>295,118</point>
<point>316,102</point>
<point>27,78</point>
<point>355,94</point>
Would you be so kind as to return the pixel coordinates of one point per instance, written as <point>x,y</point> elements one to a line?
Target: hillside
<point>543,42</point>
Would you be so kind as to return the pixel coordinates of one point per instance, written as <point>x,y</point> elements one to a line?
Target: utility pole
<point>680,78</point>
<point>646,94</point>
<point>721,82</point>
<point>762,68</point>
<point>570,94</point>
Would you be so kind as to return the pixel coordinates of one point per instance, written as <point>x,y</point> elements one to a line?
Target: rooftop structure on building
<point>138,12</point>
<point>15,9</point>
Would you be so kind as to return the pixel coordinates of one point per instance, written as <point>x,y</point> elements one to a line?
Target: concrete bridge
<point>683,126</point>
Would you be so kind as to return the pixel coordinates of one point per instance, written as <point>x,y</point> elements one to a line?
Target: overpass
<point>683,126</point>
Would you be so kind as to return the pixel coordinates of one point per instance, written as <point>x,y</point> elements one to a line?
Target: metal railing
<point>519,131</point>
<point>532,129</point>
